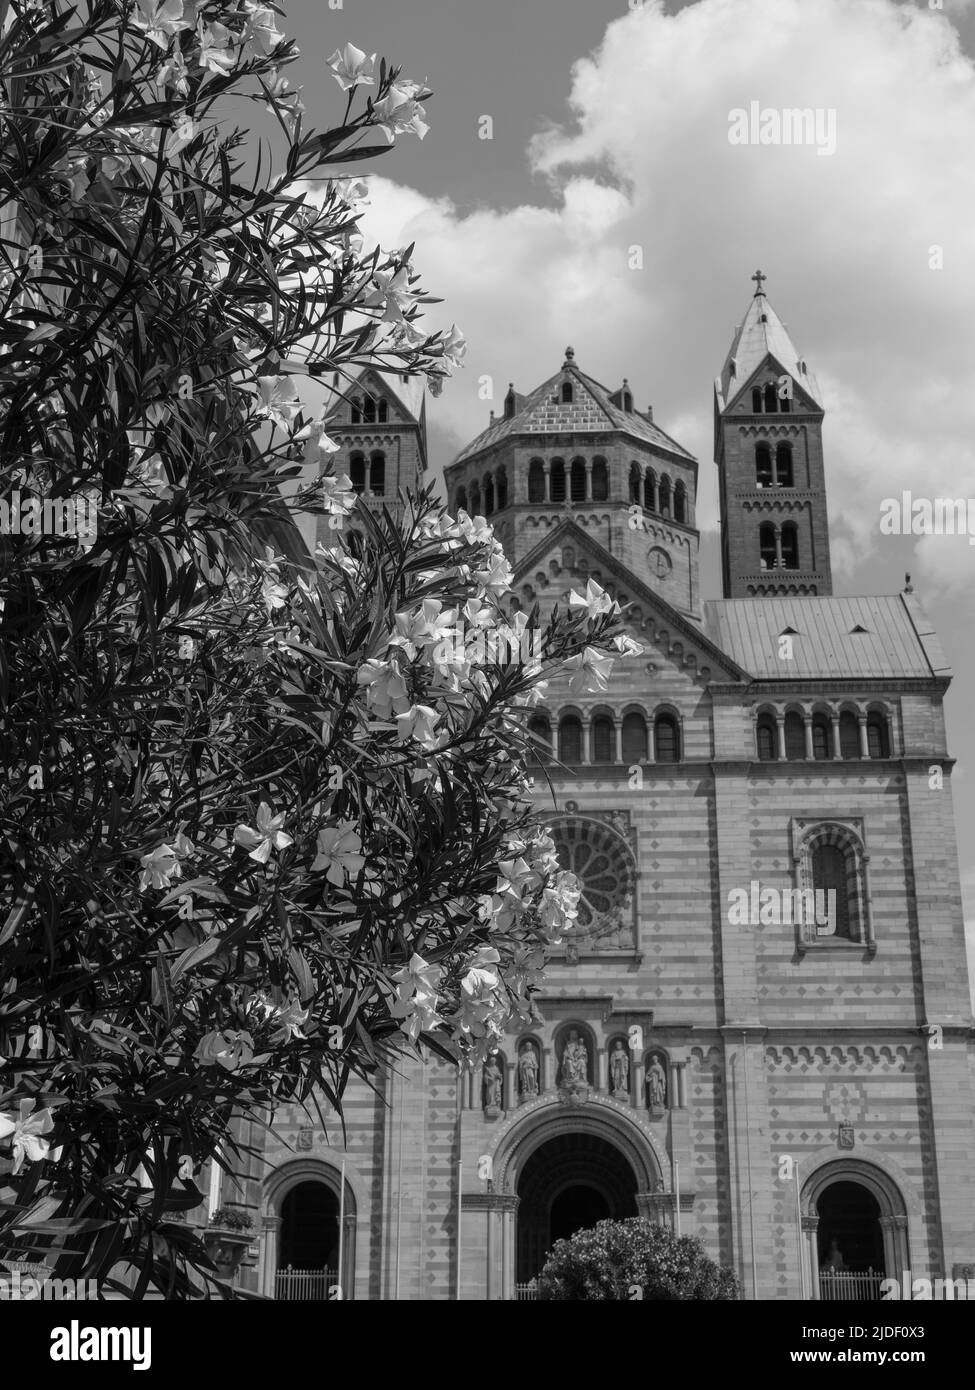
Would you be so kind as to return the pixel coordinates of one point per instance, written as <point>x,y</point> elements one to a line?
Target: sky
<point>609,131</point>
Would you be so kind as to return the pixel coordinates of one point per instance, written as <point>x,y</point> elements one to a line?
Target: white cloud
<point>844,239</point>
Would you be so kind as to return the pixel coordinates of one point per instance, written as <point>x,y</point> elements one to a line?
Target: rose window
<point>604,867</point>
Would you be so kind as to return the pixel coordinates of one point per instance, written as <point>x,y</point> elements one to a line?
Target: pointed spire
<point>763,334</point>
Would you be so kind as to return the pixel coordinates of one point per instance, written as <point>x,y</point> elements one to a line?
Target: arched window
<point>600,480</point>
<point>369,410</point>
<point>648,487</point>
<point>570,740</point>
<point>756,400</point>
<point>783,465</point>
<point>795,735</point>
<point>627,402</point>
<point>377,475</point>
<point>771,399</point>
<point>475,499</point>
<point>557,480</point>
<point>567,393</point>
<point>766,545</point>
<point>356,412</point>
<point>822,738</point>
<point>665,496</point>
<point>460,501</point>
<point>666,739</point>
<point>680,502</point>
<point>634,738</point>
<point>540,727</point>
<point>502,490</point>
<point>790,546</point>
<point>830,874</point>
<point>357,472</point>
<point>603,739</point>
<point>849,735</point>
<point>763,465</point>
<point>577,480</point>
<point>383,412</point>
<point>509,405</point>
<point>785,405</point>
<point>536,481</point>
<point>766,737</point>
<point>877,740</point>
<point>488,495</point>
<point>635,483</point>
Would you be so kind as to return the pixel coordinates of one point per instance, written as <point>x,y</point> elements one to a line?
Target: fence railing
<point>304,1285</point>
<point>848,1287</point>
<point>525,1293</point>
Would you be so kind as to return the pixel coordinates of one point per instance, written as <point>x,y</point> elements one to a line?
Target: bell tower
<point>768,421</point>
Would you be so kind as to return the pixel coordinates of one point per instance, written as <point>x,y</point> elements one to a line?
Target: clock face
<point>659,561</point>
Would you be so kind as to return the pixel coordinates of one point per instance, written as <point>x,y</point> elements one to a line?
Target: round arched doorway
<point>302,1250</point>
<point>568,1184</point>
<point>849,1237</point>
<point>856,1225</point>
<point>309,1236</point>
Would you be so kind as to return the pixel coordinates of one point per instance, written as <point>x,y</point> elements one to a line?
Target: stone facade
<point>818,1086</point>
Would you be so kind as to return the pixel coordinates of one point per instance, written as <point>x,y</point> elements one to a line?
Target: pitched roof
<point>761,335</point>
<point>611,566</point>
<point>897,639</point>
<point>591,410</point>
<point>409,393</point>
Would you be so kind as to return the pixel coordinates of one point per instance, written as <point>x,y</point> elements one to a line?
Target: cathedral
<point>794,1087</point>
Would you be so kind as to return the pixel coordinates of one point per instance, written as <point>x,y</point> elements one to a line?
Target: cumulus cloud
<point>846,240</point>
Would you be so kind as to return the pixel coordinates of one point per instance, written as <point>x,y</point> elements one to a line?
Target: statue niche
<point>619,1070</point>
<point>492,1084</point>
<point>528,1070</point>
<point>655,1083</point>
<point>575,1057</point>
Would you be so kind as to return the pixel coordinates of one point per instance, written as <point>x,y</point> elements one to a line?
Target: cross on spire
<point>758,277</point>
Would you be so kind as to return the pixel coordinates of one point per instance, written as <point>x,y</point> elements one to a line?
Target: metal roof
<point>897,641</point>
<point>763,334</point>
<point>590,410</point>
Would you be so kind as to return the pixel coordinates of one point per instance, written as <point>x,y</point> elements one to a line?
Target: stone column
<point>679,1092</point>
<point>636,1066</point>
<point>585,740</point>
<point>810,1225</point>
<point>588,480</point>
<point>618,739</point>
<point>808,729</point>
<point>548,479</point>
<point>601,1070</point>
<point>864,742</point>
<point>651,743</point>
<point>780,728</point>
<point>778,546</point>
<point>546,1072</point>
<point>269,1254</point>
<point>656,496</point>
<point>834,719</point>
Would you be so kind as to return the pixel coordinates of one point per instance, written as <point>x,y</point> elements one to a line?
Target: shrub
<point>633,1259</point>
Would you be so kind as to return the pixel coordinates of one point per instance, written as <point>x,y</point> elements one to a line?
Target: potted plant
<point>227,1238</point>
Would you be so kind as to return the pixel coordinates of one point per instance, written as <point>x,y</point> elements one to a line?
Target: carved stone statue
<point>575,1061</point>
<point>619,1071</point>
<point>493,1083</point>
<point>656,1085</point>
<point>528,1071</point>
